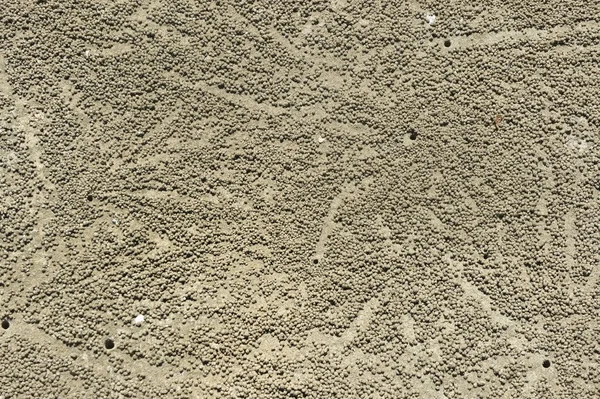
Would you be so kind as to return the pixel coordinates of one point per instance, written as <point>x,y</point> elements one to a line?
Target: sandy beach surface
<point>287,199</point>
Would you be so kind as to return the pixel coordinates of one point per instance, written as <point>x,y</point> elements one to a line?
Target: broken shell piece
<point>321,139</point>
<point>139,319</point>
<point>430,18</point>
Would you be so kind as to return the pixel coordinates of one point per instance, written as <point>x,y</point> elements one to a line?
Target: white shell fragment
<point>430,18</point>
<point>139,319</point>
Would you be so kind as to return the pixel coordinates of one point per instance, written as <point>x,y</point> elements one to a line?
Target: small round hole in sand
<point>109,344</point>
<point>316,261</point>
<point>447,43</point>
<point>5,324</point>
<point>546,364</point>
<point>90,197</point>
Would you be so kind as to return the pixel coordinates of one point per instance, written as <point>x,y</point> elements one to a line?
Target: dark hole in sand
<point>546,364</point>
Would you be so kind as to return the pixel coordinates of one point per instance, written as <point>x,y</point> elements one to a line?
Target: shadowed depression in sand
<point>286,199</point>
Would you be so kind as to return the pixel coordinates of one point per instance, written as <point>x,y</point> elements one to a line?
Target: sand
<point>278,199</point>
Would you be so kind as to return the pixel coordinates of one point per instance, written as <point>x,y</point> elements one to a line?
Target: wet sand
<point>299,199</point>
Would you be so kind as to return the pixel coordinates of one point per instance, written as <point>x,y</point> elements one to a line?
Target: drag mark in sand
<point>29,123</point>
<point>329,224</point>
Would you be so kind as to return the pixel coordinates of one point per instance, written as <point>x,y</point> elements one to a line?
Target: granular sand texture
<point>288,199</point>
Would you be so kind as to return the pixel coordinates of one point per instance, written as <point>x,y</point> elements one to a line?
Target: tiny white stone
<point>430,18</point>
<point>87,53</point>
<point>321,139</point>
<point>116,222</point>
<point>138,320</point>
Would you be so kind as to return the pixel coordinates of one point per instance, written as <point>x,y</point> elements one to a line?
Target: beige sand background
<point>323,199</point>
